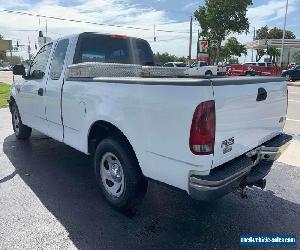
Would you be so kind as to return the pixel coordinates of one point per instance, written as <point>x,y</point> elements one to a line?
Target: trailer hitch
<point>242,190</point>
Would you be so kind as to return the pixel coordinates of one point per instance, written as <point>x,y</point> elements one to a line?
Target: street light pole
<point>252,47</point>
<point>190,42</point>
<point>283,35</point>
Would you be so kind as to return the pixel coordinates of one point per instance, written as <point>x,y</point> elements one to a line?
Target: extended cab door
<point>31,96</point>
<point>54,91</point>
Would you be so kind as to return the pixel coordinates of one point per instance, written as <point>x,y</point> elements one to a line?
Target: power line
<point>87,22</point>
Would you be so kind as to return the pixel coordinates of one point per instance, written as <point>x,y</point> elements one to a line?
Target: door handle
<point>262,95</point>
<point>41,92</point>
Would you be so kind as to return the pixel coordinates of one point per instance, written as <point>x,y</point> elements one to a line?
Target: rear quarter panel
<point>156,120</point>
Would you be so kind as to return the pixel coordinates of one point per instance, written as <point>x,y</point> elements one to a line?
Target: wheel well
<point>101,130</point>
<point>208,72</point>
<point>11,102</point>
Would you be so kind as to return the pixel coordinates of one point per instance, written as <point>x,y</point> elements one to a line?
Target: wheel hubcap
<point>112,175</point>
<point>115,173</point>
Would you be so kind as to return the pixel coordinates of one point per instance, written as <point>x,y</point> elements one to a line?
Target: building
<point>291,47</point>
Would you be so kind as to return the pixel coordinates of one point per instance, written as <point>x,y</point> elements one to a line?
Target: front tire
<point>22,132</point>
<point>118,174</point>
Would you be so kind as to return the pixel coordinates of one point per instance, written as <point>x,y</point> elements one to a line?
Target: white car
<point>175,64</point>
<point>5,69</point>
<point>261,64</point>
<point>207,137</point>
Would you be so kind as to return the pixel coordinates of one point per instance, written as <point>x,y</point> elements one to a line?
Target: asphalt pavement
<point>293,121</point>
<point>49,200</point>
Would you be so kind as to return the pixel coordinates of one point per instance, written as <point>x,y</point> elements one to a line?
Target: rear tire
<point>208,73</point>
<point>118,174</point>
<point>22,132</point>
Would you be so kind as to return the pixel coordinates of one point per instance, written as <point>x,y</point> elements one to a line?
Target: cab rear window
<point>112,49</point>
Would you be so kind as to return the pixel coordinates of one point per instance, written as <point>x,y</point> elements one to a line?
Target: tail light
<point>202,133</point>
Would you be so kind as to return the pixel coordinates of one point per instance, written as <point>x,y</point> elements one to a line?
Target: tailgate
<point>249,111</point>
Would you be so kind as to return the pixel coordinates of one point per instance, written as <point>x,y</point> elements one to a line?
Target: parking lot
<point>49,200</point>
<point>7,77</point>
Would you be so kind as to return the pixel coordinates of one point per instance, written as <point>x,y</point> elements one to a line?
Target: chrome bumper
<point>243,171</point>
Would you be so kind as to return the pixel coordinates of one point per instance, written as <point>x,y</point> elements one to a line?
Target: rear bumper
<point>242,171</point>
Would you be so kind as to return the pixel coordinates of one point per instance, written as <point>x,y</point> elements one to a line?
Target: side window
<point>39,63</point>
<point>58,59</point>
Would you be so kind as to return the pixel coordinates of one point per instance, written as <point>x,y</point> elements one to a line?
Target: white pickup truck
<point>201,68</point>
<point>207,137</point>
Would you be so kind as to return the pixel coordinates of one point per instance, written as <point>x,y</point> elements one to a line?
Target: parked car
<point>261,64</point>
<point>207,137</point>
<point>175,64</point>
<point>292,65</point>
<point>292,74</point>
<point>5,69</point>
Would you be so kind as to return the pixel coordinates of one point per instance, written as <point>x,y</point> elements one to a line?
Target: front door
<point>54,91</point>
<point>32,90</point>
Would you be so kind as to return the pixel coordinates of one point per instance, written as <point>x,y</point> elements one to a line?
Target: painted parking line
<point>291,155</point>
<point>293,101</point>
<point>293,120</point>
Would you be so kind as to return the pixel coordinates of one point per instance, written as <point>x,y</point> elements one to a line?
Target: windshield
<point>112,49</point>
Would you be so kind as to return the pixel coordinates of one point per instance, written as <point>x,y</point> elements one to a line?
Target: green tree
<point>273,53</point>
<point>14,60</point>
<point>2,53</point>
<point>274,33</point>
<point>225,54</point>
<point>218,19</point>
<point>166,57</point>
<point>232,47</point>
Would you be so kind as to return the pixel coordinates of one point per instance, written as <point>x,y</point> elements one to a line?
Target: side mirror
<point>19,70</point>
<point>37,74</point>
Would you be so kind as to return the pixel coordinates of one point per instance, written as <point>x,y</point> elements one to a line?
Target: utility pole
<point>283,35</point>
<point>29,49</point>
<point>46,28</point>
<point>191,38</point>
<point>154,33</point>
<point>252,46</point>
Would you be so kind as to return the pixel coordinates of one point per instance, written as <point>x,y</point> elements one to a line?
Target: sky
<point>166,15</point>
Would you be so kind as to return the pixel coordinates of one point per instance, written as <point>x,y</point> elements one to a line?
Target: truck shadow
<point>62,179</point>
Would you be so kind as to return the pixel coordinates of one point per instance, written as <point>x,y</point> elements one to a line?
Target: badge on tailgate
<point>227,145</point>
